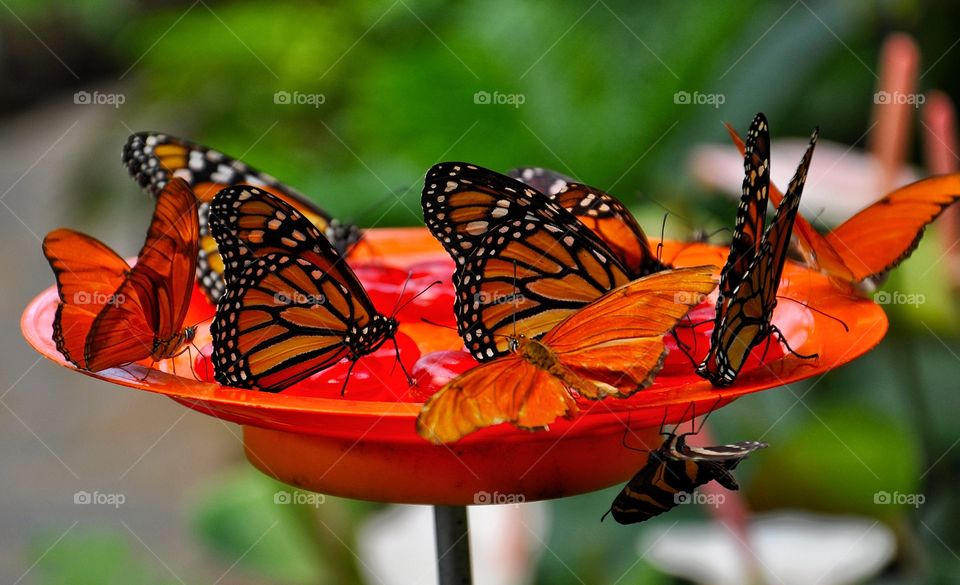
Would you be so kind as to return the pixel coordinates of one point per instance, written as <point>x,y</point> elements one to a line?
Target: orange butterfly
<point>878,238</point>
<point>611,347</point>
<point>111,314</point>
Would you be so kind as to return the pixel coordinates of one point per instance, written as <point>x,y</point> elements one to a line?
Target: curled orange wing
<point>88,273</point>
<point>508,389</point>
<point>152,302</point>
<point>616,342</point>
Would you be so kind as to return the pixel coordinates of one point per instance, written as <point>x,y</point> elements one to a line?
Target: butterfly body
<point>673,472</point>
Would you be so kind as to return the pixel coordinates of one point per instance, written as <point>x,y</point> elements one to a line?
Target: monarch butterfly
<point>111,314</point>
<point>751,277</point>
<point>153,159</point>
<point>878,238</point>
<point>611,347</point>
<point>601,212</point>
<point>523,262</point>
<point>292,305</point>
<point>672,472</point>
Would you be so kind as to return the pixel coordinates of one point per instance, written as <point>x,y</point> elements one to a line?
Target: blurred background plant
<point>351,102</point>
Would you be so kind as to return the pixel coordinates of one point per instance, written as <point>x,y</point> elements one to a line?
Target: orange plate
<point>369,450</point>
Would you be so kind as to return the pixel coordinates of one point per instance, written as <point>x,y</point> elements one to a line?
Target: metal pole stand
<point>453,545</point>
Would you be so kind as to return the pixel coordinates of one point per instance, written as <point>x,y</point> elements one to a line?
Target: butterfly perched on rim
<point>751,276</point>
<point>111,314</point>
<point>861,250</point>
<point>154,158</point>
<point>673,472</point>
<point>611,347</point>
<point>292,306</point>
<point>523,262</point>
<point>601,212</point>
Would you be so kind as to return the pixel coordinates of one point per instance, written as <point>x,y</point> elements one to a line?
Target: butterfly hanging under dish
<point>111,314</point>
<point>601,212</point>
<point>292,306</point>
<point>751,276</point>
<point>861,250</point>
<point>153,159</point>
<point>611,347</point>
<point>673,472</point>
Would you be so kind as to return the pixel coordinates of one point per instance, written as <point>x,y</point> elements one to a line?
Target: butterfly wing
<point>878,238</point>
<point>717,462</point>
<point>508,389</point>
<point>601,212</point>
<point>616,342</point>
<point>751,213</point>
<point>88,274</point>
<point>743,318</point>
<point>292,305</point>
<point>814,248</point>
<point>153,159</point>
<point>152,302</point>
<point>523,262</point>
<point>884,234</point>
<point>543,180</point>
<point>607,217</point>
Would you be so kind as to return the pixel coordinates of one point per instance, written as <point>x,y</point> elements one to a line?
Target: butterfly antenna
<point>400,307</point>
<point>783,340</point>
<point>429,322</point>
<point>816,310</point>
<point>663,231</point>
